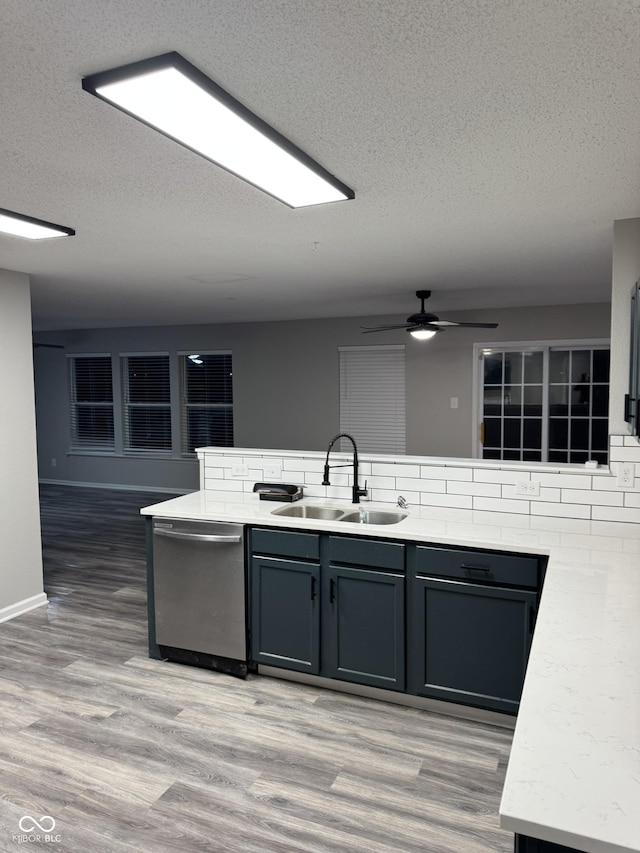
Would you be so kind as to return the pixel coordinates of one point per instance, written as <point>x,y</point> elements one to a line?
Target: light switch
<point>454,403</point>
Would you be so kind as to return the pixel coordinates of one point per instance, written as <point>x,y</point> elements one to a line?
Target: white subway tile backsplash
<point>219,461</point>
<point>487,490</point>
<point>380,482</point>
<point>616,440</point>
<point>459,501</point>
<point>616,513</point>
<point>483,475</point>
<point>433,486</point>
<point>409,484</point>
<point>565,481</point>
<point>632,441</point>
<point>225,485</point>
<point>448,489</point>
<point>560,510</point>
<point>298,464</point>
<point>582,496</point>
<point>624,454</point>
<point>501,505</point>
<point>444,472</point>
<point>604,484</point>
<point>388,496</point>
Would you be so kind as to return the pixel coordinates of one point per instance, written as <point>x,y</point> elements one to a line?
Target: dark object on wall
<point>632,399</point>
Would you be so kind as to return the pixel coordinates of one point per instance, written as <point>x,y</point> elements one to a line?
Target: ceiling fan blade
<point>444,323</point>
<point>381,328</point>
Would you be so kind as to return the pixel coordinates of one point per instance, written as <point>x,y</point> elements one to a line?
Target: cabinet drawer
<point>286,543</point>
<point>479,566</point>
<point>366,552</point>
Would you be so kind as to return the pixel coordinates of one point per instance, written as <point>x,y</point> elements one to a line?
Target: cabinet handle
<point>532,619</point>
<point>471,568</point>
<point>332,591</point>
<point>313,588</point>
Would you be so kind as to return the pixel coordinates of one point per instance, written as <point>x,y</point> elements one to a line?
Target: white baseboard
<point>120,486</point>
<point>23,606</point>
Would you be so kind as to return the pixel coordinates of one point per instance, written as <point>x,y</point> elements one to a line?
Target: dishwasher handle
<point>196,537</point>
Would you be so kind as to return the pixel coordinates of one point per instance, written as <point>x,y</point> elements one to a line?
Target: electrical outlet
<point>239,470</point>
<point>626,477</point>
<point>273,471</point>
<point>54,462</point>
<point>528,488</point>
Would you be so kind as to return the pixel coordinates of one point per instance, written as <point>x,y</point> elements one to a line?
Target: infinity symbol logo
<point>28,823</point>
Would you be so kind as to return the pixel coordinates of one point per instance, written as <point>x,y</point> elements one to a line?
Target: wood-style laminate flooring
<point>131,754</point>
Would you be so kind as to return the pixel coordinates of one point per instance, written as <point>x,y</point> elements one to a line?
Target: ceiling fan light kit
<point>174,97</point>
<point>423,325</point>
<point>19,225</point>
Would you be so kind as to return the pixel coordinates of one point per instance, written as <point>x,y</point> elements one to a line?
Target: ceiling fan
<point>424,325</point>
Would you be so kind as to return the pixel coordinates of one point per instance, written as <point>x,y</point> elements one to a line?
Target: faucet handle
<point>364,491</point>
<point>402,502</point>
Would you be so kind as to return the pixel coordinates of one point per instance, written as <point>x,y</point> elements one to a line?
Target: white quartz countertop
<point>574,771</point>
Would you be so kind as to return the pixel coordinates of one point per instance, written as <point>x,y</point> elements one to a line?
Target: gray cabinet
<point>340,617</point>
<point>470,633</point>
<point>285,613</point>
<point>284,603</point>
<point>454,624</point>
<point>363,627</point>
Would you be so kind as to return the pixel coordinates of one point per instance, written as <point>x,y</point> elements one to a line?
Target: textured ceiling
<point>490,144</point>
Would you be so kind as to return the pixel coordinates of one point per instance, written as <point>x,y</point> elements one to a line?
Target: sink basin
<point>326,513</point>
<point>375,516</point>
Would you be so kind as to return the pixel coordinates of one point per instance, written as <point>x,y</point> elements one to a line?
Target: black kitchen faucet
<point>357,492</point>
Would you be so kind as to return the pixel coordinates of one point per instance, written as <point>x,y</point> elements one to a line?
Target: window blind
<point>91,402</point>
<point>146,393</point>
<point>372,397</point>
<point>206,412</point>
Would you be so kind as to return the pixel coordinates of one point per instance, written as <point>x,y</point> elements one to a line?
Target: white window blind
<point>206,411</point>
<point>146,402</point>
<point>372,397</point>
<point>91,402</point>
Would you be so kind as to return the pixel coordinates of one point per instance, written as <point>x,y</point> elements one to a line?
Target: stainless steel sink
<point>374,516</point>
<point>330,513</point>
<point>326,513</point>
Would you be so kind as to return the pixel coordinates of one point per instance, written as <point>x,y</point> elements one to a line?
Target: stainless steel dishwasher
<point>199,584</point>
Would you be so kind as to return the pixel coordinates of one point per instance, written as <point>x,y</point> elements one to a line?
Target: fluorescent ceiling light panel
<point>171,95</point>
<point>19,225</point>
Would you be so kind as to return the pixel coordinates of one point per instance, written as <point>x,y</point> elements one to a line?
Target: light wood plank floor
<point>130,754</point>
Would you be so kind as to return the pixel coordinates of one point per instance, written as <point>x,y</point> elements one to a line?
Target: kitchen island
<point>574,773</point>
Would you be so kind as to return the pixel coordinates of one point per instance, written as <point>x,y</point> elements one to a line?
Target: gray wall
<point>286,383</point>
<point>20,549</point>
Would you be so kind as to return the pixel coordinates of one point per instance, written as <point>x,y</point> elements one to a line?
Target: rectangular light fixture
<point>19,225</point>
<point>169,94</point>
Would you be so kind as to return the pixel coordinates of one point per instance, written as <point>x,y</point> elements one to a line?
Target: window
<point>545,403</point>
<point>146,394</point>
<point>372,397</point>
<point>91,402</point>
<point>206,412</point>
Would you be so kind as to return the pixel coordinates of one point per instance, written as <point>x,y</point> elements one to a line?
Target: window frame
<point>97,449</point>
<point>523,346</point>
<point>185,405</point>
<point>127,406</point>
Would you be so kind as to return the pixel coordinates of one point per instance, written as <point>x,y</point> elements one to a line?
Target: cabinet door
<point>470,643</point>
<point>363,627</point>
<point>285,614</point>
